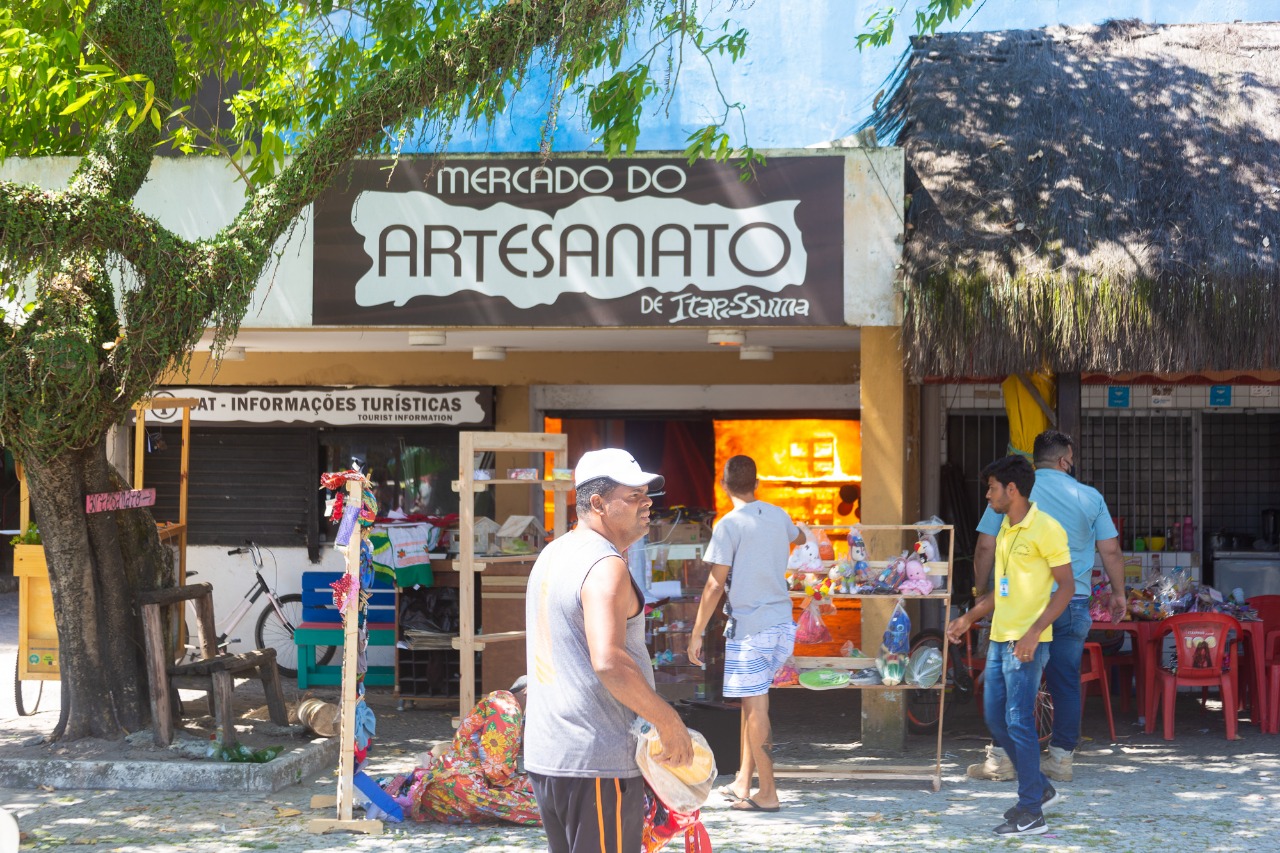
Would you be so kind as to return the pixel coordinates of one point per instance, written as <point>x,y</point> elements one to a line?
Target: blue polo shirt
<point>1081,511</point>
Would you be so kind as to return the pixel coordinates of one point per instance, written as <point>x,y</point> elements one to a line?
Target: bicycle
<point>965,665</point>
<point>275,625</point>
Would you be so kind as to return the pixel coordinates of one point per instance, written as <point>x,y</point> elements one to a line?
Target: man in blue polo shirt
<point>1083,513</point>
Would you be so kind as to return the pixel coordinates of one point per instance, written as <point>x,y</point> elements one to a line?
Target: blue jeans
<point>1062,672</point>
<point>1009,701</point>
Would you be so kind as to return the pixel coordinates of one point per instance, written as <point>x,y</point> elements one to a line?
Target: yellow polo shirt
<point>1025,553</point>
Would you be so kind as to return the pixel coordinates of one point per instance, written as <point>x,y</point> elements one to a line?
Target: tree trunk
<point>97,564</point>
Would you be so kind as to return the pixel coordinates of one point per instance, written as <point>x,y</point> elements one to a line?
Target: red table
<point>1147,651</point>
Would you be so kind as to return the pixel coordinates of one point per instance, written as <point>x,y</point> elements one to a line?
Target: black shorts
<point>590,815</point>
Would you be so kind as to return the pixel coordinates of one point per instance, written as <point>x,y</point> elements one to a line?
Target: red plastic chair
<point>1268,607</point>
<point>1202,643</point>
<point>1273,701</point>
<point>1093,668</point>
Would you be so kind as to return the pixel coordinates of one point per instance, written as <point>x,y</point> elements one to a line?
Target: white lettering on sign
<point>111,501</point>
<point>328,406</point>
<point>601,247</point>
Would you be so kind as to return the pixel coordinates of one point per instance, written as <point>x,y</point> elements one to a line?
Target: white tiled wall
<point>1185,397</point>
<point>987,396</point>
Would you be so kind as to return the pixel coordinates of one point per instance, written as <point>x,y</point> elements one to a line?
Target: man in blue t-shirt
<point>1083,513</point>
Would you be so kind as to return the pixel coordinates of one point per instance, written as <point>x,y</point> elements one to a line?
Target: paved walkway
<point>1198,793</point>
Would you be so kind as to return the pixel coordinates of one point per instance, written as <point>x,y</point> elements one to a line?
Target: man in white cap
<point>589,670</point>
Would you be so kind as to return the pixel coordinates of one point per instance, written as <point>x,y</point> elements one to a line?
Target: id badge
<point>1004,587</point>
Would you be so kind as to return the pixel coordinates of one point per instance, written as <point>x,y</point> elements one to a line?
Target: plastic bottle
<point>215,751</point>
<point>1188,535</point>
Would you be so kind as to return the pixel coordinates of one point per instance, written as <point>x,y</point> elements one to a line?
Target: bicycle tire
<point>269,633</point>
<point>924,707</point>
<point>1044,714</point>
<point>20,703</point>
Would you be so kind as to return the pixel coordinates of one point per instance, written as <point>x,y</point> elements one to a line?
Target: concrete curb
<point>289,768</point>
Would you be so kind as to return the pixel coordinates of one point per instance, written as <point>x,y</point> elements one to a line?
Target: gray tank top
<point>573,725</point>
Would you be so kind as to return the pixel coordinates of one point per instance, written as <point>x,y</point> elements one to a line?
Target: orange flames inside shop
<point>811,468</point>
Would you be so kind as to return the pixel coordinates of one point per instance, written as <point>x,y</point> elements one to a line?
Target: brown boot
<point>997,767</point>
<point>1056,764</point>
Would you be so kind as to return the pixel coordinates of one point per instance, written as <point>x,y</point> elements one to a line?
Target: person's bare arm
<point>984,560</point>
<point>803,535</point>
<point>711,592</point>
<point>607,602</point>
<point>956,628</point>
<point>1113,562</point>
<point>1057,603</point>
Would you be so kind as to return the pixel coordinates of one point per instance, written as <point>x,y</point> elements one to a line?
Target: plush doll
<point>917,582</point>
<point>805,558</point>
<point>926,550</point>
<point>841,575</point>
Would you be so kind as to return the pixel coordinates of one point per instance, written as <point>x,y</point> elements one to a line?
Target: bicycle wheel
<point>271,633</point>
<point>924,707</point>
<point>26,694</point>
<point>1044,714</point>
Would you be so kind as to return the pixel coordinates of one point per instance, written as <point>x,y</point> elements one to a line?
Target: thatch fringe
<point>958,324</point>
<point>1097,200</point>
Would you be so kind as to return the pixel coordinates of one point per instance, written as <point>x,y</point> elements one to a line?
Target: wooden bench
<point>213,673</point>
<point>322,626</point>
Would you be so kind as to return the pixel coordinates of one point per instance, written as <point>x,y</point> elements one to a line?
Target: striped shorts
<point>751,663</point>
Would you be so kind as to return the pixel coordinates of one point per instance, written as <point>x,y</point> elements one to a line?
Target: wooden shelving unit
<point>943,569</point>
<point>469,564</point>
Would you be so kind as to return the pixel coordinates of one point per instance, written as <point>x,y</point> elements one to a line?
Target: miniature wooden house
<point>484,533</point>
<point>521,534</point>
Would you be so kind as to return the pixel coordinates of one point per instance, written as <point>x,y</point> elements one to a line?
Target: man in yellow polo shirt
<point>1031,553</point>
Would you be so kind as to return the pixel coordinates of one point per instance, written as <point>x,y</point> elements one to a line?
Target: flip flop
<point>746,804</point>
<point>727,792</point>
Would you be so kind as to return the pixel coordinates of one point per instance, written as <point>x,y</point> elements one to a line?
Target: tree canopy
<point>288,93</point>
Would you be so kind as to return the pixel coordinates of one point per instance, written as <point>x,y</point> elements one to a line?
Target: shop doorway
<point>809,466</point>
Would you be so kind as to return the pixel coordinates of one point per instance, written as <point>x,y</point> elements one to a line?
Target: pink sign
<point>111,501</point>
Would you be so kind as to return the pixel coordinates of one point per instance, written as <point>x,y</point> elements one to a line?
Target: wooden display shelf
<point>835,771</point>
<point>885,595</point>
<point>931,773</point>
<point>468,563</point>
<point>938,686</point>
<point>478,641</point>
<point>547,485</point>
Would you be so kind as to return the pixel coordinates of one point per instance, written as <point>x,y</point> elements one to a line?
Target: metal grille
<point>974,441</point>
<point>1142,462</point>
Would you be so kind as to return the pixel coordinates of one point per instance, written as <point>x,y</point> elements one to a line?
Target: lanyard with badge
<point>1002,571</point>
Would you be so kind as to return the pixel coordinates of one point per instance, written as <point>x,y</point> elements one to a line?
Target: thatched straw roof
<point>1102,199</point>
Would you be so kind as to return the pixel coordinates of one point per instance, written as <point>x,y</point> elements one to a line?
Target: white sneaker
<point>1056,764</point>
<point>997,768</point>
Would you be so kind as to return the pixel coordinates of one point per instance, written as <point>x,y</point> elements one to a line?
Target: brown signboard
<point>110,501</point>
<point>581,242</point>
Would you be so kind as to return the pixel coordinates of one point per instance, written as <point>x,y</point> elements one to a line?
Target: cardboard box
<point>684,533</point>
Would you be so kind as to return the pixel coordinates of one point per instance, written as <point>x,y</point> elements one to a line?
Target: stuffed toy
<point>917,582</point>
<point>841,576</point>
<point>805,558</point>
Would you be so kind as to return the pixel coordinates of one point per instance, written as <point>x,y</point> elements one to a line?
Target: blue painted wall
<point>803,81</point>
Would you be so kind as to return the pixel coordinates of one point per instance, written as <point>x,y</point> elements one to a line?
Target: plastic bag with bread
<point>682,789</point>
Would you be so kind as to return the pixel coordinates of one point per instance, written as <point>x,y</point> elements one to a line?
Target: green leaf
<point>79,102</point>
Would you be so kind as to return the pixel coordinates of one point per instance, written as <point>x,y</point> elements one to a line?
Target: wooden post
<point>347,724</point>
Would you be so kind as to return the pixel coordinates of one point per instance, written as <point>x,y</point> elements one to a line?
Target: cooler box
<point>721,724</point>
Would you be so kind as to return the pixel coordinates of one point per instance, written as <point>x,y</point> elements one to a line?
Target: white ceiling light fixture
<point>426,339</point>
<point>233,354</point>
<point>726,337</point>
<point>755,353</point>
<point>489,354</point>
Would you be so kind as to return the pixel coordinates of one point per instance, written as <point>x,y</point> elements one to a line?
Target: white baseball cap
<point>618,465</point>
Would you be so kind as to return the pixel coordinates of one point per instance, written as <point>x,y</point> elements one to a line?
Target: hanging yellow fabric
<point>1028,415</point>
